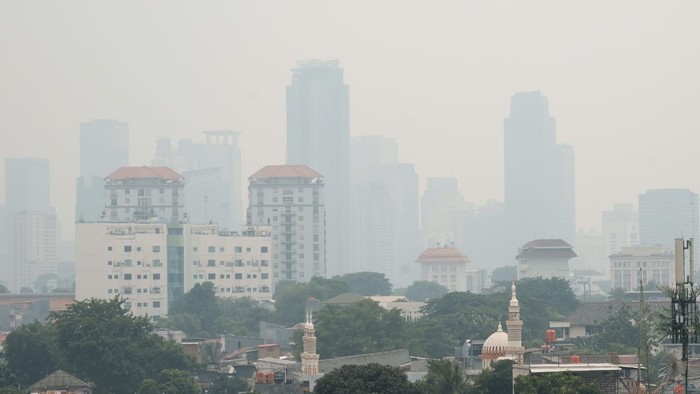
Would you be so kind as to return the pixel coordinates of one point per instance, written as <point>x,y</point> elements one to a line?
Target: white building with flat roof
<point>648,264</point>
<point>150,263</point>
<point>446,266</point>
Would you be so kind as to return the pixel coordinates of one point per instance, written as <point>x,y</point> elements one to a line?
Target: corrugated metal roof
<point>285,171</point>
<point>549,368</point>
<point>144,172</point>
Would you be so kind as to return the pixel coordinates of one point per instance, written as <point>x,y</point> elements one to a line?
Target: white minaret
<point>515,327</point>
<point>309,358</point>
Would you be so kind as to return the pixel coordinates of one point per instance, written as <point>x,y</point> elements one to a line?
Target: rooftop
<point>546,248</point>
<point>144,172</point>
<point>285,171</point>
<point>442,254</point>
<point>59,379</point>
<point>595,313</point>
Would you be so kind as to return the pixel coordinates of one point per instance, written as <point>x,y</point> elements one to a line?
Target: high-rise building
<point>144,193</point>
<point>539,174</point>
<point>443,212</point>
<point>385,232</point>
<point>667,214</point>
<point>290,199</point>
<point>104,147</point>
<point>620,228</point>
<point>591,253</point>
<point>484,232</point>
<point>29,224</point>
<point>318,135</point>
<point>212,172</point>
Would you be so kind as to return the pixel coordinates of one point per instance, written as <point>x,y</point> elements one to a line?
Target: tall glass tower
<point>318,135</point>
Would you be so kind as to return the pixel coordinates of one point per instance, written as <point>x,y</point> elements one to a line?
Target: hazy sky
<point>622,77</point>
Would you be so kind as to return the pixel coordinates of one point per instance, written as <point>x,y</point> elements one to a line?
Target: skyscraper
<point>385,232</point>
<point>620,228</point>
<point>666,214</point>
<point>539,174</point>
<point>443,212</point>
<point>104,147</point>
<point>318,134</point>
<point>30,223</point>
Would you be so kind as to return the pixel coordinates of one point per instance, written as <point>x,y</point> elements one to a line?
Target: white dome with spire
<point>495,345</point>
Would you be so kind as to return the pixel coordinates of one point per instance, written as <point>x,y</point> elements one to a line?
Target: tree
<point>7,377</point>
<point>361,379</point>
<point>290,300</point>
<point>170,381</point>
<point>367,283</point>
<point>504,274</point>
<point>618,333</point>
<point>105,344</point>
<point>228,385</point>
<point>618,294</point>
<point>362,327</point>
<point>241,316</point>
<point>554,383</point>
<point>422,290</point>
<point>495,380</point>
<point>31,352</point>
<point>201,302</point>
<point>445,377</point>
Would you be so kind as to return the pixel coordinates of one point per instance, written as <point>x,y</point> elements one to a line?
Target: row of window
<point>128,248</point>
<point>138,276</point>
<point>212,276</point>
<point>236,249</point>
<point>129,263</point>
<point>127,304</point>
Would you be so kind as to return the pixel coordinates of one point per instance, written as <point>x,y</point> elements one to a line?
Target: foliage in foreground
<point>361,379</point>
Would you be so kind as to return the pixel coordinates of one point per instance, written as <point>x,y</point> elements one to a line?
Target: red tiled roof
<point>286,171</point>
<point>144,172</point>
<point>442,254</point>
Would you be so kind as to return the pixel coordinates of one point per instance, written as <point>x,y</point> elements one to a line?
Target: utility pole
<point>684,313</point>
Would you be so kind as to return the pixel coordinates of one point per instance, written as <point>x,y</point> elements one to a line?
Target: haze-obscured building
<point>484,236</point>
<point>318,136</point>
<point>446,266</point>
<point>548,258</point>
<point>104,147</point>
<point>620,228</point>
<point>648,264</point>
<point>590,251</point>
<point>539,174</point>
<point>443,212</point>
<point>667,214</point>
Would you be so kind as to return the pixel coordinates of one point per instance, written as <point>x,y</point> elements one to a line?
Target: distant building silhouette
<point>620,228</point>
<point>318,134</point>
<point>104,147</point>
<point>443,211</point>
<point>548,258</point>
<point>29,233</point>
<point>667,214</point>
<point>212,172</point>
<point>539,174</point>
<point>384,220</point>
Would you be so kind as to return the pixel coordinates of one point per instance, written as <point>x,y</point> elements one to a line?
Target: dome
<point>495,345</point>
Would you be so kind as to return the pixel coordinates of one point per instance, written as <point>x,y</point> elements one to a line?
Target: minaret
<point>515,328</point>
<point>309,358</point>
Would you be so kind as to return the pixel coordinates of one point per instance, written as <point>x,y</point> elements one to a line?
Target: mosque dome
<point>495,345</point>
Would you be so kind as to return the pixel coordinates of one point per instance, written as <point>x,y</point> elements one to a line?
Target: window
<point>238,249</point>
<point>127,276</point>
<point>211,276</point>
<point>221,249</point>
<point>274,199</point>
<point>211,249</point>
<point>109,276</point>
<point>211,263</point>
<point>127,290</point>
<point>288,200</point>
<point>127,248</point>
<point>156,304</point>
<point>116,276</point>
<point>239,276</point>
<point>263,249</point>
<point>264,275</point>
<point>138,248</point>
<point>238,263</point>
<point>264,263</point>
<point>156,276</point>
<point>127,191</point>
<point>157,263</point>
<point>301,199</point>
<point>109,248</point>
<point>127,263</point>
<point>109,262</point>
<point>156,248</point>
<point>127,305</point>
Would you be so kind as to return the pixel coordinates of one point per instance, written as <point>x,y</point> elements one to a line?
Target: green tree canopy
<point>32,352</point>
<point>290,300</point>
<point>241,316</point>
<point>554,383</point>
<point>170,381</point>
<point>422,290</point>
<point>504,274</point>
<point>445,377</point>
<point>495,380</point>
<point>363,379</point>
<point>201,302</point>
<point>618,333</point>
<point>103,343</point>
<point>228,385</point>
<point>367,283</point>
<point>618,294</point>
<point>362,327</point>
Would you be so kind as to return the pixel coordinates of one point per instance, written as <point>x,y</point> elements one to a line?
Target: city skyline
<point>448,123</point>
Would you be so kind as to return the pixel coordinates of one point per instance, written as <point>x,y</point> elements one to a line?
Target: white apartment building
<point>290,199</point>
<point>648,264</point>
<point>446,266</point>
<point>148,263</point>
<point>548,258</point>
<point>239,264</point>
<point>144,193</point>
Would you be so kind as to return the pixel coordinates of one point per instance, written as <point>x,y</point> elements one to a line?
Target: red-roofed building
<point>144,194</point>
<point>290,199</point>
<point>446,266</point>
<point>548,258</point>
